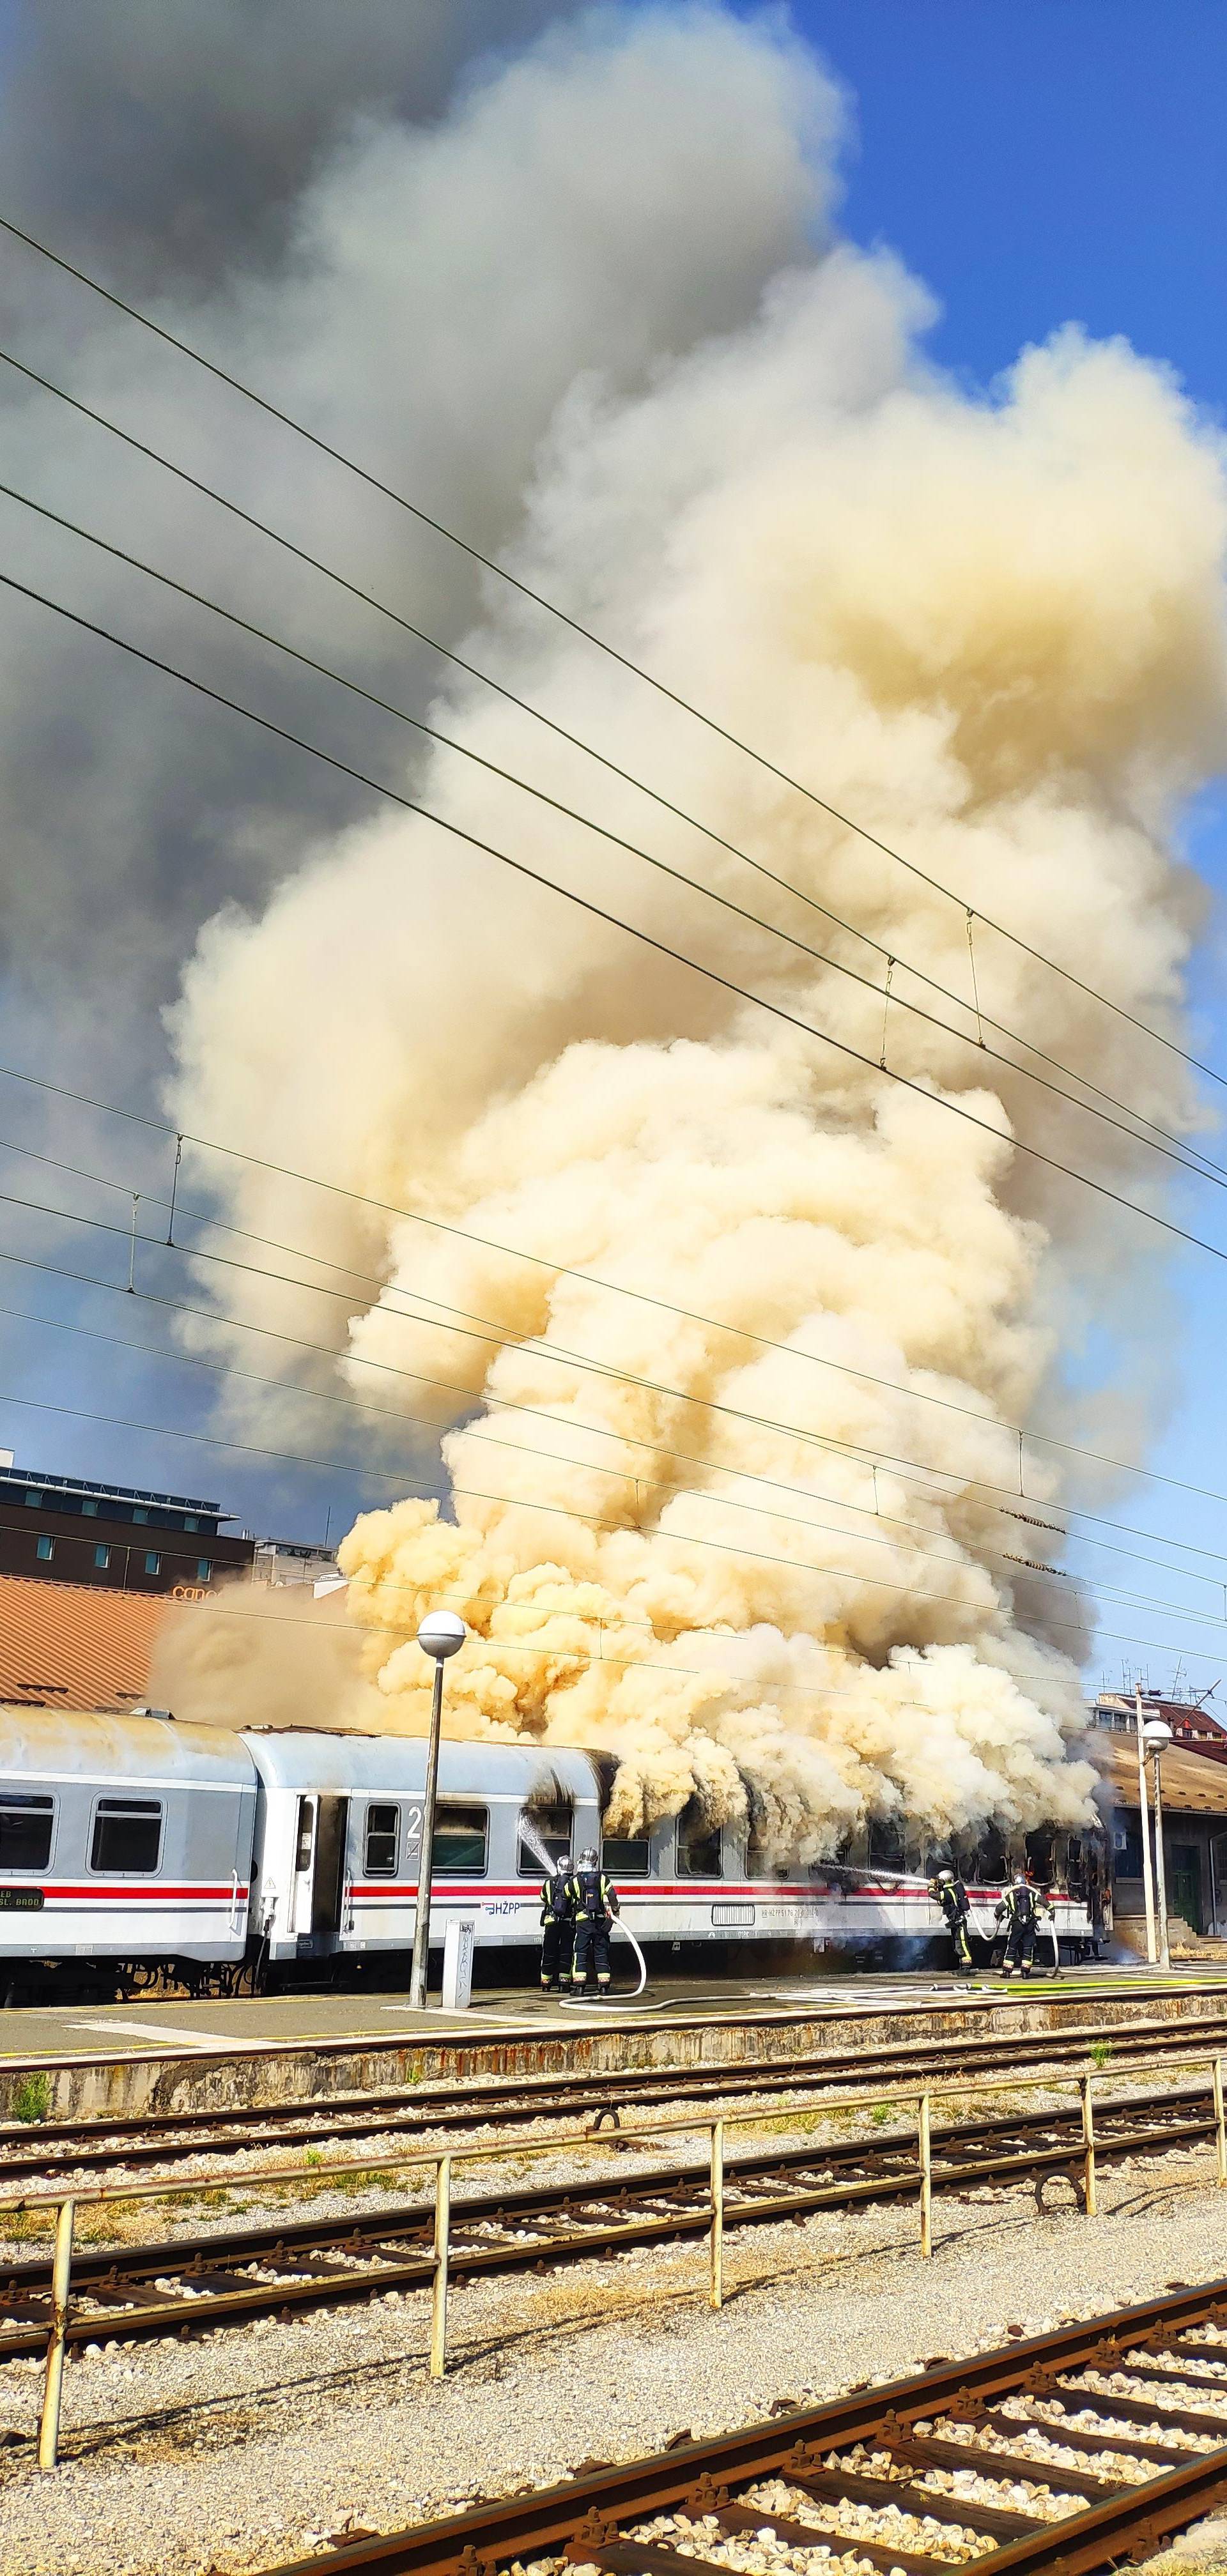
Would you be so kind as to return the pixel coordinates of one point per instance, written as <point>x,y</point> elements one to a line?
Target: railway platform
<point>122,2057</point>
<point>329,2014</point>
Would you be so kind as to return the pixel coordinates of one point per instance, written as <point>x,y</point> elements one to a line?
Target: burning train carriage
<point>130,1845</point>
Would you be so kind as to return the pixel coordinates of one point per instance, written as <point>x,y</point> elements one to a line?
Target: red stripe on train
<point>55,1893</point>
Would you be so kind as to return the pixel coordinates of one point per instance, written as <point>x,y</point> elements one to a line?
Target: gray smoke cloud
<point>179,138</point>
<point>423,287</point>
<point>424,230</point>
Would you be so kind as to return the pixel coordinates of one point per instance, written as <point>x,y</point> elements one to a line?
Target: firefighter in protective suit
<point>557,1932</point>
<point>594,1903</point>
<point>1021,1909</point>
<point>950,1893</point>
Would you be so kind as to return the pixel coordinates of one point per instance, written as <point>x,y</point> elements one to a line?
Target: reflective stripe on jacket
<point>592,1894</point>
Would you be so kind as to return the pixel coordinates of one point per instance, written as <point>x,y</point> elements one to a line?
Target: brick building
<point>63,1529</point>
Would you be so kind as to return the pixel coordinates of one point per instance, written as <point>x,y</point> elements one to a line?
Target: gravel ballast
<point>258,2444</point>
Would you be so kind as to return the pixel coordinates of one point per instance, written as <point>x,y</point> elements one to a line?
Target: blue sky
<point>1039,162</point>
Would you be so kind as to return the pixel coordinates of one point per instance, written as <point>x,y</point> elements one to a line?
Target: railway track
<point>1055,2456</point>
<point>74,2148</point>
<point>190,2285</point>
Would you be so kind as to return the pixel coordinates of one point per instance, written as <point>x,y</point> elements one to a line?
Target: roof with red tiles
<point>74,1645</point>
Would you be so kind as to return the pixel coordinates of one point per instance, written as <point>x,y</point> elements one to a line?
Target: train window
<point>552,1827</point>
<point>761,1861</point>
<point>382,1835</point>
<point>989,1861</point>
<point>25,1831</point>
<point>885,1846</point>
<point>460,1842</point>
<point>626,1858</point>
<point>1041,1856</point>
<point>699,1853</point>
<point>127,1834</point>
<point>305,1833</point>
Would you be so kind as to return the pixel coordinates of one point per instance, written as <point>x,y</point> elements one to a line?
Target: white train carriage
<point>123,1838</point>
<point>339,1835</point>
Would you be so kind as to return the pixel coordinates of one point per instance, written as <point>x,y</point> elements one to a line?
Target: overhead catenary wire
<point>1204,1167</point>
<point>486,1328</point>
<point>602,644</point>
<point>906,1591</point>
<point>219,1605</point>
<point>803,1356</point>
<point>563,1270</point>
<point>958,1561</point>
<point>963,1560</point>
<point>1181,1150</point>
<point>894,1386</point>
<point>600,912</point>
<point>455,1321</point>
<point>620,1474</point>
<point>1190,1165</point>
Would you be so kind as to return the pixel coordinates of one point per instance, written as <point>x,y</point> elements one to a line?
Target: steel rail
<point>166,2137</point>
<point>597,2519</point>
<point>189,2285</point>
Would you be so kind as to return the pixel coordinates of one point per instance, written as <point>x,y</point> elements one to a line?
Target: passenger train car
<point>134,1849</point>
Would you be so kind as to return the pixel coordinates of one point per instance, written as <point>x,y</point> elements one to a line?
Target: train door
<point>328,1875</point>
<point>304,1863</point>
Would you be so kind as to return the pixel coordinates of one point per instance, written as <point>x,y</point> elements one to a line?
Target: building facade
<point>64,1529</point>
<point>1194,1810</point>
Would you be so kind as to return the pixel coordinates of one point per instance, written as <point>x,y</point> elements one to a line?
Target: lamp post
<point>1148,1884</point>
<point>1156,1735</point>
<point>441,1634</point>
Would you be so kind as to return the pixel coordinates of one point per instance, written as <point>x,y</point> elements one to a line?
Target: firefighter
<point>1019,1909</point>
<point>557,1931</point>
<point>950,1893</point>
<point>594,1903</point>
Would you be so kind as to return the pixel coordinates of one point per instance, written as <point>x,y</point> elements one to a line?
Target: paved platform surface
<point>88,2031</point>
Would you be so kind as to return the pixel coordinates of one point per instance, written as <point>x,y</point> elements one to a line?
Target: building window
<point>34,1499</point>
<point>190,1521</point>
<point>153,1562</point>
<point>204,1569</point>
<point>46,1549</point>
<point>381,1838</point>
<point>460,1842</point>
<point>127,1835</point>
<point>102,1558</point>
<point>139,1512</point>
<point>25,1831</point>
<point>90,1509</point>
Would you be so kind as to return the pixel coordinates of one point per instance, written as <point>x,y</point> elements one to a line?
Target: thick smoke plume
<point>748,1548</point>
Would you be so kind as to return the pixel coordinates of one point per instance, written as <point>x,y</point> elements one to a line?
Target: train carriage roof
<point>366,1764</point>
<point>88,1744</point>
